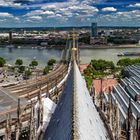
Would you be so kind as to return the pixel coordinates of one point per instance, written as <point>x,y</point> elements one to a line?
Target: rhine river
<point>42,56</point>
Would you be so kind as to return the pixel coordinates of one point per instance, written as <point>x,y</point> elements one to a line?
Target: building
<point>10,37</point>
<point>121,106</point>
<point>83,67</point>
<point>98,41</point>
<point>93,29</point>
<point>95,39</point>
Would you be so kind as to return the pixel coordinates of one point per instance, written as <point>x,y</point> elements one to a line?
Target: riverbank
<point>33,46</point>
<point>61,47</point>
<point>109,47</point>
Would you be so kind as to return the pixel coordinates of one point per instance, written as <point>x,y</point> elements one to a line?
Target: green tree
<point>98,69</point>
<point>136,61</point>
<point>102,65</point>
<point>21,69</point>
<point>2,62</point>
<point>124,62</point>
<point>28,73</point>
<point>111,65</point>
<point>88,81</point>
<point>46,70</point>
<point>34,63</point>
<point>51,62</point>
<point>19,62</point>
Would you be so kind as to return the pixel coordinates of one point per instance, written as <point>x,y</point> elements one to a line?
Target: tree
<point>27,74</point>
<point>124,62</point>
<point>88,81</point>
<point>85,39</point>
<point>21,69</point>
<point>2,62</point>
<point>46,70</point>
<point>34,63</point>
<point>19,62</point>
<point>51,62</point>
<point>102,65</point>
<point>98,69</point>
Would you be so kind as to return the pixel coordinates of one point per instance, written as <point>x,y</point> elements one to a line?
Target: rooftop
<point>86,120</point>
<point>9,102</point>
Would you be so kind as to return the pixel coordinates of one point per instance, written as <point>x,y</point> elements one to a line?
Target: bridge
<point>53,107</point>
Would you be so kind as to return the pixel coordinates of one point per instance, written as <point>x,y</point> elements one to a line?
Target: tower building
<point>93,29</point>
<point>10,37</point>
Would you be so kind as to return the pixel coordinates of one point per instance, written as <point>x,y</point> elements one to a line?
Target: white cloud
<point>109,9</point>
<point>134,5</point>
<point>83,8</point>
<point>16,18</point>
<point>35,17</point>
<point>3,3</point>
<point>39,13</point>
<point>47,13</point>
<point>5,14</point>
<point>70,7</point>
<point>33,13</point>
<point>50,6</point>
<point>137,15</point>
<point>9,3</point>
<point>58,15</point>
<point>118,17</point>
<point>130,14</point>
<point>64,10</point>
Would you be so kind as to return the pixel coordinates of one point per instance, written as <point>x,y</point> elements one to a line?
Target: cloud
<point>70,9</point>
<point>17,18</point>
<point>47,13</point>
<point>50,6</point>
<point>5,14</point>
<point>35,17</point>
<point>9,3</point>
<point>65,10</point>
<point>68,12</point>
<point>109,9</point>
<point>137,15</point>
<point>58,15</point>
<point>134,5</point>
<point>121,17</point>
<point>130,14</point>
<point>39,13</point>
<point>34,13</point>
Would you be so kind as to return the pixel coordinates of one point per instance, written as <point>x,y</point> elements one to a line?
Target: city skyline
<point>51,13</point>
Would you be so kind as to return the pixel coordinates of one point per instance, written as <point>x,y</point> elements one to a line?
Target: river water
<point>107,54</point>
<point>42,56</point>
<point>28,54</point>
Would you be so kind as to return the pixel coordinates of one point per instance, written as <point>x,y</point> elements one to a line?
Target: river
<point>28,54</point>
<point>42,56</point>
<point>107,54</point>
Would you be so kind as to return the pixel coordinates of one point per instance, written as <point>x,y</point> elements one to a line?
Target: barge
<point>129,54</point>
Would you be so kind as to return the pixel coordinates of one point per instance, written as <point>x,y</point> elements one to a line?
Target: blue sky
<point>44,13</point>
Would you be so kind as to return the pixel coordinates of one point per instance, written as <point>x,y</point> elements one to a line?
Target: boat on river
<point>129,54</point>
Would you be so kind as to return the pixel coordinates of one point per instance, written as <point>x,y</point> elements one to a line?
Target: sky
<point>59,13</point>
